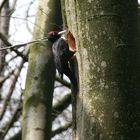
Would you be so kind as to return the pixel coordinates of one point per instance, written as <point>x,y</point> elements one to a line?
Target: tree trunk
<point>106,34</point>
<point>4,29</point>
<point>37,108</point>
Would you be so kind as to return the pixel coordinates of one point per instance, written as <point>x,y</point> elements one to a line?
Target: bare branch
<point>63,82</point>
<point>2,79</point>
<point>61,129</point>
<point>27,15</point>
<point>24,44</point>
<point>4,39</point>
<point>2,4</point>
<point>7,43</point>
<point>14,78</point>
<point>62,104</point>
<point>13,7</point>
<point>19,18</point>
<point>17,136</point>
<point>10,123</point>
<point>57,109</point>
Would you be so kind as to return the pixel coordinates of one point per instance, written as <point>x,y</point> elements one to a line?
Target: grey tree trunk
<point>37,108</point>
<point>108,105</point>
<point>4,29</point>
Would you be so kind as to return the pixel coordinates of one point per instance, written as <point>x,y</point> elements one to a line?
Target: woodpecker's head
<point>54,35</point>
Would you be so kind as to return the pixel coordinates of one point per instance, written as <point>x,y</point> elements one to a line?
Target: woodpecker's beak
<point>62,32</point>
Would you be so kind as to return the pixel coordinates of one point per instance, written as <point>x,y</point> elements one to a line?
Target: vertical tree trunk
<point>109,63</point>
<point>4,29</point>
<point>37,109</point>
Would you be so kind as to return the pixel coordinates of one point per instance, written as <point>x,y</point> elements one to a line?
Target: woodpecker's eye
<point>52,33</point>
<point>53,36</point>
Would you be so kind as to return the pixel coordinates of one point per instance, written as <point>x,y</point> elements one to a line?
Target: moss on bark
<point>109,63</point>
<point>37,109</point>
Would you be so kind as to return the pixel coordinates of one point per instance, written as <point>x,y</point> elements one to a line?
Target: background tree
<point>4,28</point>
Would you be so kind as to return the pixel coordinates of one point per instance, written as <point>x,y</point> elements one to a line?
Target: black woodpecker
<point>62,55</point>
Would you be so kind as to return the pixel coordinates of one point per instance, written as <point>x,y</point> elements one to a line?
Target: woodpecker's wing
<point>62,54</point>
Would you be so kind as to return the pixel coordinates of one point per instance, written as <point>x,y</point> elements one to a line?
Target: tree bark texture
<point>106,32</point>
<point>37,108</point>
<point>4,29</point>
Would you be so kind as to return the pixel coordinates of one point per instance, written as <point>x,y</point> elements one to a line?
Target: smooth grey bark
<point>106,34</point>
<point>37,107</point>
<point>4,29</point>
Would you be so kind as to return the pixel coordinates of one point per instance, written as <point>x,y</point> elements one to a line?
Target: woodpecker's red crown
<point>53,36</point>
<point>53,33</point>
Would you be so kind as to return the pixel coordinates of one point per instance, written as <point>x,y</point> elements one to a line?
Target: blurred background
<point>17,21</point>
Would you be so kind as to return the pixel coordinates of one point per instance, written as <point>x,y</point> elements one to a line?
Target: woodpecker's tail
<point>71,71</point>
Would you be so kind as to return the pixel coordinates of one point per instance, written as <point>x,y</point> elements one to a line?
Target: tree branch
<point>17,136</point>
<point>59,107</point>
<point>63,82</point>
<point>61,129</point>
<point>7,43</point>
<point>2,79</point>
<point>27,15</point>
<point>10,123</point>
<point>2,4</point>
<point>11,88</point>
<point>24,44</point>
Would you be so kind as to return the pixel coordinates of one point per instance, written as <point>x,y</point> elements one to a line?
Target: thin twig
<point>14,78</point>
<point>61,129</point>
<point>14,118</point>
<point>61,105</point>
<point>27,15</point>
<point>20,18</point>
<point>7,43</point>
<point>63,82</point>
<point>3,79</point>
<point>24,44</point>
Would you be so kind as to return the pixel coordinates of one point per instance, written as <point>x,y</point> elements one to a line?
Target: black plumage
<point>62,56</point>
<point>65,61</point>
